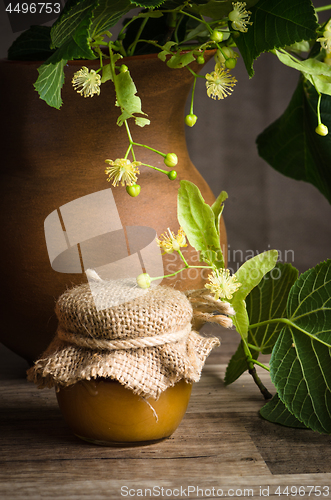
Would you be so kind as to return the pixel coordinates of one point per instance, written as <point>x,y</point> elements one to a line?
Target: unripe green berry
<point>201,60</point>
<point>123,68</point>
<point>216,36</point>
<point>144,280</point>
<point>190,120</point>
<point>171,160</point>
<point>133,190</point>
<point>231,63</point>
<point>322,130</point>
<point>172,175</point>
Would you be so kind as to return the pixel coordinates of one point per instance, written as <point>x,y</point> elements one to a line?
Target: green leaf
<point>317,72</point>
<point>50,82</point>
<point>107,14</point>
<point>107,73</point>
<point>166,51</point>
<point>301,358</point>
<point>276,25</point>
<point>74,25</point>
<point>197,219</point>
<point>266,301</point>
<point>32,45</point>
<point>148,4</point>
<point>250,275</point>
<point>275,411</point>
<point>180,60</point>
<point>291,145</point>
<point>127,99</point>
<point>217,9</point>
<point>218,206</point>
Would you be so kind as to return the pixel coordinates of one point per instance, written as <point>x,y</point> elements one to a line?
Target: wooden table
<point>222,449</point>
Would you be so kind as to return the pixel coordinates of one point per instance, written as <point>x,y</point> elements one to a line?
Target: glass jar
<point>103,411</point>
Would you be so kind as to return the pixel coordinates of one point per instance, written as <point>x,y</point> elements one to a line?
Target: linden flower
<point>325,40</point>
<point>239,17</point>
<point>122,171</point>
<point>219,83</point>
<point>171,242</point>
<point>222,285</point>
<point>87,83</point>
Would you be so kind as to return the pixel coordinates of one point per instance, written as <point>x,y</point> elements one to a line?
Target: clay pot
<point>53,157</point>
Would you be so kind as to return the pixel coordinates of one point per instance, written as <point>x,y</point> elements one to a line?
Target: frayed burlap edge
<point>146,371</point>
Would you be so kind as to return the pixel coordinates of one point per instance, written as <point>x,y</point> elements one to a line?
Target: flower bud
<point>144,280</point>
<point>190,120</point>
<point>216,36</point>
<point>171,160</point>
<point>322,130</point>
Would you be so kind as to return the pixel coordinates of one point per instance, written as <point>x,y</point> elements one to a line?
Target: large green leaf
<point>106,15</point>
<point>32,45</point>
<point>74,23</point>
<point>301,358</point>
<point>275,411</point>
<point>250,275</point>
<point>275,25</point>
<point>197,219</point>
<point>291,145</point>
<point>266,301</point>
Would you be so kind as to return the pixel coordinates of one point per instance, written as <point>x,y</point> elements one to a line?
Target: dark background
<point>265,209</point>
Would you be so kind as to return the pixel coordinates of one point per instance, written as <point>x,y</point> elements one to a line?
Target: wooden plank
<point>221,443</point>
<point>312,485</point>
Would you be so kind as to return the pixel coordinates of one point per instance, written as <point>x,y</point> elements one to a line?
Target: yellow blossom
<point>219,83</point>
<point>87,83</point>
<point>122,171</point>
<point>239,17</point>
<point>170,242</point>
<point>222,284</point>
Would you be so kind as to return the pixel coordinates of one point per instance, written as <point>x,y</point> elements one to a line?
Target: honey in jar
<point>104,412</point>
<point>123,372</point>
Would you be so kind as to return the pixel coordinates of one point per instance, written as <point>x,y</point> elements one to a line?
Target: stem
<point>156,168</point>
<point>183,258</point>
<point>133,45</point>
<point>319,121</point>
<point>194,74</point>
<point>264,391</point>
<point>321,9</point>
<point>252,370</point>
<point>176,29</point>
<point>148,147</point>
<point>130,148</point>
<point>179,271</point>
<point>192,95</point>
<point>256,362</point>
<point>201,20</point>
<point>254,347</point>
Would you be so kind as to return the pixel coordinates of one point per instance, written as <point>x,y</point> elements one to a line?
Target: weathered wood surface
<point>222,444</point>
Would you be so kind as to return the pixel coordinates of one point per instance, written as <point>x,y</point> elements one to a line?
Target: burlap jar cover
<point>146,343</point>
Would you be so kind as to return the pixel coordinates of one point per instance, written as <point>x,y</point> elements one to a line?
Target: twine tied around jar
<point>146,343</point>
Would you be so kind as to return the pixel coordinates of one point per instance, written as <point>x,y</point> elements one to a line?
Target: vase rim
<point>80,62</point>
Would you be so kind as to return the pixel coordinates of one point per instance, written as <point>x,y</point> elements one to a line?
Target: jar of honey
<point>123,372</point>
<point>104,412</point>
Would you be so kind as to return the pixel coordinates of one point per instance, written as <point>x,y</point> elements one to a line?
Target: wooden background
<point>222,443</point>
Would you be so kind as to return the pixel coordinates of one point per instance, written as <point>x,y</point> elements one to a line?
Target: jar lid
<point>146,343</point>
